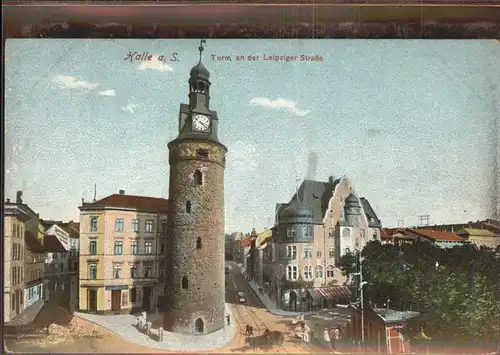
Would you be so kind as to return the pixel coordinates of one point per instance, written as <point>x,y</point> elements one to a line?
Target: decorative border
<point>260,19</point>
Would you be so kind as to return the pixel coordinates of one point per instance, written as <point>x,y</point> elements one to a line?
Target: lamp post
<point>361,284</point>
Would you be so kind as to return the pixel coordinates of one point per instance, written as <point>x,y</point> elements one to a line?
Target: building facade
<point>480,237</point>
<point>121,244</point>
<point>194,283</point>
<point>14,249</point>
<point>322,222</point>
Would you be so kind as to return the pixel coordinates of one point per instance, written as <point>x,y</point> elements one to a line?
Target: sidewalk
<point>271,305</point>
<point>29,314</point>
<point>124,326</point>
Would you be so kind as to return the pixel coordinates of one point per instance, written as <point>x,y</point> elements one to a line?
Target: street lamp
<point>361,284</point>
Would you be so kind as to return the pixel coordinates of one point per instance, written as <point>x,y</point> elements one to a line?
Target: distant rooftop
<point>141,203</point>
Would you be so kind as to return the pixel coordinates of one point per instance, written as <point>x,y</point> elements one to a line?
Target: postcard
<point>264,195</point>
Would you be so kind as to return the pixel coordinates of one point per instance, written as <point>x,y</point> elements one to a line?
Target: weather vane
<point>200,48</point>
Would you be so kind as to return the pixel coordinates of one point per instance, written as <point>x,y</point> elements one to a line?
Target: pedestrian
<point>326,337</point>
<point>228,320</point>
<point>251,330</point>
<point>247,330</point>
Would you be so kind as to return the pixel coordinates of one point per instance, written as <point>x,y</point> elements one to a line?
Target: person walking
<point>326,337</point>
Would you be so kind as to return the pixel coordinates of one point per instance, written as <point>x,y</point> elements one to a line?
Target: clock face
<point>201,123</point>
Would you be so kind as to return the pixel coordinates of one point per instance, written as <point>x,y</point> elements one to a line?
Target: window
<point>307,231</point>
<point>184,283</point>
<point>93,271</point>
<point>14,275</point>
<point>134,248</point>
<point>198,177</point>
<point>135,225</point>
<point>148,247</point>
<point>318,254</point>
<point>148,268</point>
<point>119,225</point>
<point>307,253</point>
<point>188,206</point>
<point>198,243</point>
<point>133,271</point>
<point>347,251</point>
<point>118,247</point>
<point>331,233</point>
<point>164,226</point>
<point>93,224</point>
<point>308,275</point>
<point>202,153</point>
<point>162,269</point>
<point>331,252</point>
<point>291,251</point>
<point>375,235</point>
<point>291,272</point>
<point>362,233</point>
<point>117,271</point>
<point>162,248</point>
<point>124,299</point>
<point>290,232</point>
<point>149,226</point>
<point>133,295</point>
<point>319,271</point>
<point>346,233</point>
<point>12,301</point>
<point>92,247</point>
<point>330,271</point>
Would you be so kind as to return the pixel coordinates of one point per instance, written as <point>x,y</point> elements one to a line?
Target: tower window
<point>185,283</point>
<point>188,206</point>
<point>202,153</point>
<point>198,177</point>
<point>198,243</point>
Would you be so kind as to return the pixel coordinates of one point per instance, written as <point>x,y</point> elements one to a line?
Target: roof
<point>477,232</point>
<point>143,203</point>
<point>263,236</point>
<point>334,292</point>
<point>52,244</point>
<point>32,243</point>
<point>393,316</point>
<point>72,228</point>
<point>246,242</point>
<point>370,213</point>
<point>437,235</point>
<point>389,233</point>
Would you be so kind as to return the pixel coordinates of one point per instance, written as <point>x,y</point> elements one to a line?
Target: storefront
<point>33,293</point>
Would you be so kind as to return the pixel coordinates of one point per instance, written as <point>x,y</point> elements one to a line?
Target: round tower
<point>194,260</point>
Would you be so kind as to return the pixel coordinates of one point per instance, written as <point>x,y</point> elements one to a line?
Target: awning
<point>315,295</point>
<point>335,292</point>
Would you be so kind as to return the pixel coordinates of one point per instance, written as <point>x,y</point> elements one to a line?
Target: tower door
<point>199,326</point>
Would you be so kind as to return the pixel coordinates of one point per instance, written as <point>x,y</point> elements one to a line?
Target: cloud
<point>279,104</point>
<point>109,92</point>
<point>70,82</point>
<point>129,108</point>
<point>155,64</point>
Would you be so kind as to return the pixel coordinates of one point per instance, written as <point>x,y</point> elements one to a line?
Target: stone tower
<point>194,273</point>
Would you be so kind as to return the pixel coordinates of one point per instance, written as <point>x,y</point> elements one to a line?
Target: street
<point>253,313</point>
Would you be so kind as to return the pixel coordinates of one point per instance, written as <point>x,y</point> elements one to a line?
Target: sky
<point>407,121</point>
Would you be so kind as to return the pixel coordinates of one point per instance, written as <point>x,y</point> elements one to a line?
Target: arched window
<point>198,178</point>
<point>330,271</point>
<point>188,206</point>
<point>346,233</point>
<point>308,275</point>
<point>319,271</point>
<point>198,243</point>
<point>184,283</point>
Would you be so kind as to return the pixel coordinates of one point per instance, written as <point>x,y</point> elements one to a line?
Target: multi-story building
<point>14,220</point>
<point>57,267</point>
<point>121,253</point>
<point>480,237</point>
<point>322,222</point>
<point>24,267</point>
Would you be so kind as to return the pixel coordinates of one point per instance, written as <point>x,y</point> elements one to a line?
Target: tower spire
<point>200,48</point>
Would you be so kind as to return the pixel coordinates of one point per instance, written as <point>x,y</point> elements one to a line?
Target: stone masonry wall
<point>203,267</point>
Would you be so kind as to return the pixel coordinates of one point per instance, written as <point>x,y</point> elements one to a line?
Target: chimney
<point>331,179</point>
<point>122,192</point>
<point>19,197</point>
<point>83,201</point>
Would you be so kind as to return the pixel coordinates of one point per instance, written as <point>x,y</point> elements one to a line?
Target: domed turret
<point>297,212</point>
<point>199,72</point>
<point>352,209</point>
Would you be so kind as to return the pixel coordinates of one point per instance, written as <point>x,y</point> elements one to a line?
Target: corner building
<point>194,280</point>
